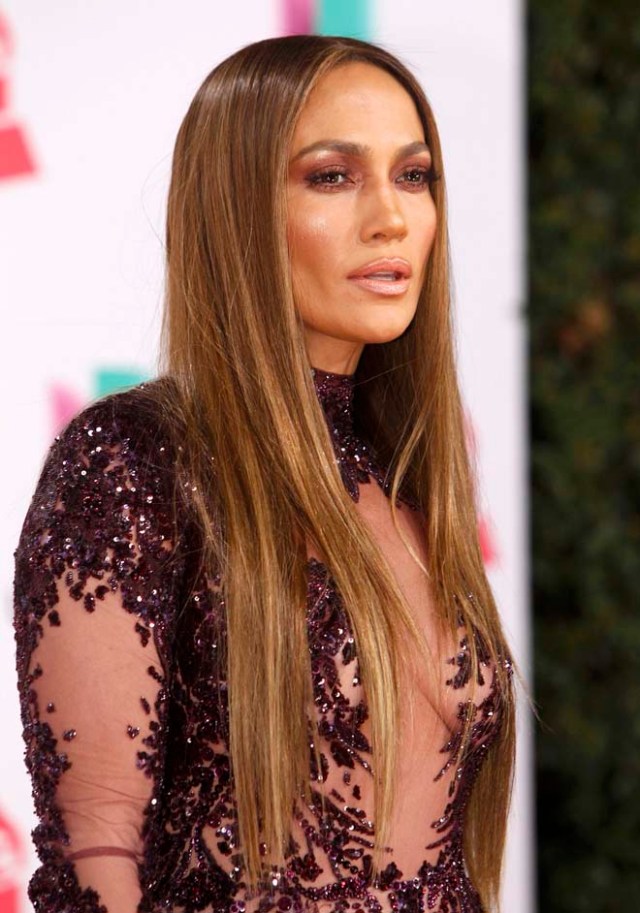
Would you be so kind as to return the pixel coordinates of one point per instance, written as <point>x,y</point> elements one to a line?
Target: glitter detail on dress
<point>357,460</point>
<point>119,632</point>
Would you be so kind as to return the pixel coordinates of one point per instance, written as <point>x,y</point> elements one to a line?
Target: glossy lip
<point>384,265</point>
<point>384,287</point>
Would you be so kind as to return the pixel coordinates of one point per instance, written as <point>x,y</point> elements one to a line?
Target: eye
<point>329,178</point>
<point>419,176</point>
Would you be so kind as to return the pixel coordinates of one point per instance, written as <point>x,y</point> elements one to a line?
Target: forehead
<point>358,101</point>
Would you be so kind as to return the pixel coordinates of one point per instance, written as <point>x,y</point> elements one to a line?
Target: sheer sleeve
<point>94,585</point>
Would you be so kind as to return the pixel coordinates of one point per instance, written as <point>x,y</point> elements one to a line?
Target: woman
<point>251,611</point>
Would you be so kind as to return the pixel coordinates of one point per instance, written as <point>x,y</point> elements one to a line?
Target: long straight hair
<point>258,460</point>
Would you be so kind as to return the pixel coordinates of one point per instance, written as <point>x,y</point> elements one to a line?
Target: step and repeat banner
<point>91,97</point>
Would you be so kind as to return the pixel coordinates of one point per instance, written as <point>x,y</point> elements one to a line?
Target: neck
<point>337,356</point>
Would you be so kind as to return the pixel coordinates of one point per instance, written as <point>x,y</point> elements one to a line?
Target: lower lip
<point>381,286</point>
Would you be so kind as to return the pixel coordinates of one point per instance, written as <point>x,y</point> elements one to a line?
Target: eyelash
<point>429,176</point>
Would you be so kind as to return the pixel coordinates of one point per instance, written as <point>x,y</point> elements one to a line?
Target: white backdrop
<point>91,96</point>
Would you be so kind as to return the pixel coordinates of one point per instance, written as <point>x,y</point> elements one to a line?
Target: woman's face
<point>361,218</point>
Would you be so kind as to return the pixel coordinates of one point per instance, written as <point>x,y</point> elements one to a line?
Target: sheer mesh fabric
<point>124,703</point>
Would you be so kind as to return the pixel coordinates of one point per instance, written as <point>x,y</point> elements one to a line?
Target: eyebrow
<point>356,149</point>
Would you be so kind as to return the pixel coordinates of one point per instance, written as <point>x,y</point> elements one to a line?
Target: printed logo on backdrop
<point>15,157</point>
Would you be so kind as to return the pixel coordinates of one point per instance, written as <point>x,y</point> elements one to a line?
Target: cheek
<point>424,236</point>
<point>430,227</point>
<point>314,243</point>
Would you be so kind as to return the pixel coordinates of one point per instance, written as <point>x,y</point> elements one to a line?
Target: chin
<point>386,331</point>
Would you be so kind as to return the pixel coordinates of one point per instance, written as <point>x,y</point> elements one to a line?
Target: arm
<point>93,594</point>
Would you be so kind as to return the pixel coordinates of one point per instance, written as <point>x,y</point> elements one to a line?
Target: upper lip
<point>384,265</point>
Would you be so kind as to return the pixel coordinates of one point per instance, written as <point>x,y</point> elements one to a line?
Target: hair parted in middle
<point>257,459</point>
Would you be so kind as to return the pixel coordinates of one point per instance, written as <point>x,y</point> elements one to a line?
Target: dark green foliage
<point>584,318</point>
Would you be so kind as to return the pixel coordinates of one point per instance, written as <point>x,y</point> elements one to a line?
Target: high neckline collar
<point>335,392</point>
<point>356,459</point>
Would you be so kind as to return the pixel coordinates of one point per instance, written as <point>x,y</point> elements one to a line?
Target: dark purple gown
<point>124,702</point>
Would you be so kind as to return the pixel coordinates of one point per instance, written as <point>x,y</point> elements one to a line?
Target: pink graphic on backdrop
<point>15,157</point>
<point>12,859</point>
<point>298,16</point>
<point>63,405</point>
<point>488,544</point>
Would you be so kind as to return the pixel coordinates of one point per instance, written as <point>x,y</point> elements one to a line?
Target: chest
<point>423,681</point>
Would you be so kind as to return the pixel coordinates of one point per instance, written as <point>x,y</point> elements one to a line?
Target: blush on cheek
<point>314,245</point>
<point>312,253</point>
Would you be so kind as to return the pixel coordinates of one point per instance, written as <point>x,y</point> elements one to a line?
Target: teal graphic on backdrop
<point>111,380</point>
<point>344,17</point>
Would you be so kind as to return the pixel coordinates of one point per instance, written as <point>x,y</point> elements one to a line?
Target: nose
<point>383,218</point>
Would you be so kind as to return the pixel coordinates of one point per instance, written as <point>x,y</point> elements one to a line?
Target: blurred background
<point>538,108</point>
<point>583,319</point>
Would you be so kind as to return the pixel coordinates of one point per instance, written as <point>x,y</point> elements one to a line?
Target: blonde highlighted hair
<point>259,459</point>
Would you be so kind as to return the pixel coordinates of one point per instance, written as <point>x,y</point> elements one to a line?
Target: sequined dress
<point>125,715</point>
